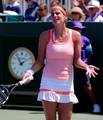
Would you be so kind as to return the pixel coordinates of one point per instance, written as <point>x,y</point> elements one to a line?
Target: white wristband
<point>30,71</point>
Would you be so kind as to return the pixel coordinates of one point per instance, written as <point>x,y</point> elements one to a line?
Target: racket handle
<point>25,81</point>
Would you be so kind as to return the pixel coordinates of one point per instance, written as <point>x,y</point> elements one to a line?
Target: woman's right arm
<point>43,40</point>
<point>41,52</point>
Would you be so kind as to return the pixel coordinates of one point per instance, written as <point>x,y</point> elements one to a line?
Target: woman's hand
<point>28,76</point>
<point>92,71</point>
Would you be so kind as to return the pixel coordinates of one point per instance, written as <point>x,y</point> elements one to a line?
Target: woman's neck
<point>60,30</point>
<point>60,34</point>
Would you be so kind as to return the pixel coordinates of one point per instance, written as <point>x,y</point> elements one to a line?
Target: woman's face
<point>57,16</point>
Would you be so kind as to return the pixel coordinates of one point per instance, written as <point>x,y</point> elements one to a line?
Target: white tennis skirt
<point>57,91</point>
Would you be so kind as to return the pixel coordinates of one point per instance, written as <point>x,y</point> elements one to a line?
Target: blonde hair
<point>61,8</point>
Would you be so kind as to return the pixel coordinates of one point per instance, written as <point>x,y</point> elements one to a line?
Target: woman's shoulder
<point>76,35</point>
<point>74,32</point>
<point>45,35</point>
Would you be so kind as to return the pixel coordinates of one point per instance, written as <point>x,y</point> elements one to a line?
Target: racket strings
<point>3,99</point>
<point>4,93</point>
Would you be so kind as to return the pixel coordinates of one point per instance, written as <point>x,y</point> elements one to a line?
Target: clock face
<point>20,60</point>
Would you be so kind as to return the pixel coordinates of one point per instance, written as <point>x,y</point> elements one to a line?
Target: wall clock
<point>20,60</point>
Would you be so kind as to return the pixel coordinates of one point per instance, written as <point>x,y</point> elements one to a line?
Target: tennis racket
<point>6,90</point>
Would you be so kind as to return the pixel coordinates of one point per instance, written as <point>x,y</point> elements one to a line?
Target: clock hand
<point>19,61</point>
<point>22,62</point>
<point>25,60</point>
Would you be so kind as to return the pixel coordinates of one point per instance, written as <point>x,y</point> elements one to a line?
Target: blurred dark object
<point>1,6</point>
<point>101,2</point>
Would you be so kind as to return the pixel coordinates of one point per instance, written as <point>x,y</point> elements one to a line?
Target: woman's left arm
<point>90,69</point>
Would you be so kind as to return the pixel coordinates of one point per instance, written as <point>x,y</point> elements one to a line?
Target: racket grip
<point>18,84</point>
<point>25,81</point>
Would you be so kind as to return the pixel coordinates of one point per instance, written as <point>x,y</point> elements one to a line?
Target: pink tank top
<point>59,58</point>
